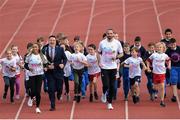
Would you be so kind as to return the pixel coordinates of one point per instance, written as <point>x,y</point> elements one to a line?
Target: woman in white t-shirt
<point>78,61</point>
<point>19,63</point>
<point>134,63</point>
<point>93,71</point>
<point>158,60</point>
<point>35,62</point>
<point>9,74</point>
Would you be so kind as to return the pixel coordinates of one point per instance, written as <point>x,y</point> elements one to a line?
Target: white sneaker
<point>30,102</point>
<point>109,106</point>
<point>38,110</point>
<point>103,98</point>
<point>17,97</point>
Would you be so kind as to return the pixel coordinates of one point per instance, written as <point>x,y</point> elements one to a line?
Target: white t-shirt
<point>67,67</point>
<point>134,63</point>
<point>35,63</point>
<point>75,62</point>
<point>109,51</point>
<point>18,61</point>
<point>158,62</point>
<point>6,64</point>
<point>93,62</point>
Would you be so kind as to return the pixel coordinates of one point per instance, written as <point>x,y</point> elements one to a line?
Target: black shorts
<point>135,79</point>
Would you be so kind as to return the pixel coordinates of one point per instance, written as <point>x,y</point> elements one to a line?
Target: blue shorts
<point>175,75</point>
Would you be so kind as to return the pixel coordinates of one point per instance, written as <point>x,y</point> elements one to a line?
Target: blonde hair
<point>163,45</point>
<point>78,44</point>
<point>8,50</point>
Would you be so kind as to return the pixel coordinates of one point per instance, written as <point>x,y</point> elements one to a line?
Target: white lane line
<point>17,30</point>
<point>20,108</point>
<point>72,110</point>
<point>4,3</point>
<point>58,17</point>
<point>90,22</point>
<point>124,21</point>
<point>157,18</point>
<point>126,111</point>
<point>160,29</point>
<point>124,39</point>
<point>167,11</point>
<point>85,43</point>
<point>19,27</point>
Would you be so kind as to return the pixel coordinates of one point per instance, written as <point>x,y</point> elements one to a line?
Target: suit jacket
<point>59,58</point>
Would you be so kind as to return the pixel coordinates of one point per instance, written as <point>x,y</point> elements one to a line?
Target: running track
<point>24,20</point>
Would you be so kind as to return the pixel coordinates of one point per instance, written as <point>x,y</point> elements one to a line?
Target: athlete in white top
<point>134,62</point>
<point>109,48</point>
<point>9,73</point>
<point>158,60</point>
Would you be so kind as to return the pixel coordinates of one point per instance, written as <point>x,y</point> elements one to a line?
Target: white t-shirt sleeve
<point>151,57</point>
<point>84,58</point>
<point>120,50</point>
<point>127,61</point>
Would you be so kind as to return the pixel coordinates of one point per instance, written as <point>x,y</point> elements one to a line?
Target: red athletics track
<point>94,17</point>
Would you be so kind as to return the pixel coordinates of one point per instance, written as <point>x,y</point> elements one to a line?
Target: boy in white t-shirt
<point>93,70</point>
<point>134,63</point>
<point>9,74</point>
<point>158,60</point>
<point>78,61</point>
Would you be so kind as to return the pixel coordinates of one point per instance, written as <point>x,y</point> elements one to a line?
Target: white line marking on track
<point>90,22</point>
<point>167,11</point>
<point>126,110</point>
<point>160,29</point>
<point>17,30</point>
<point>4,3</point>
<point>58,17</point>
<point>157,17</point>
<point>19,27</point>
<point>20,108</point>
<point>124,21</point>
<point>85,43</point>
<point>72,110</point>
<point>124,39</point>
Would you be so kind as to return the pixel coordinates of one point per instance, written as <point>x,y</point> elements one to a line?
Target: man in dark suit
<point>54,71</point>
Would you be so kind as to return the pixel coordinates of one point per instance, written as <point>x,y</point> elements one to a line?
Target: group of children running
<point>161,63</point>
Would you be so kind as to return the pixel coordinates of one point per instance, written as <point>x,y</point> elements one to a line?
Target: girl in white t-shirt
<point>67,71</point>
<point>78,61</point>
<point>93,70</point>
<point>158,60</point>
<point>134,62</point>
<point>9,74</point>
<point>19,63</point>
<point>35,63</point>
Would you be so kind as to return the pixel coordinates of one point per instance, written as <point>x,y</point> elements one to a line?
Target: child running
<point>78,61</point>
<point>158,60</point>
<point>9,74</point>
<point>149,75</point>
<point>174,53</point>
<point>125,70</point>
<point>19,66</point>
<point>93,71</point>
<point>134,62</point>
<point>67,71</point>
